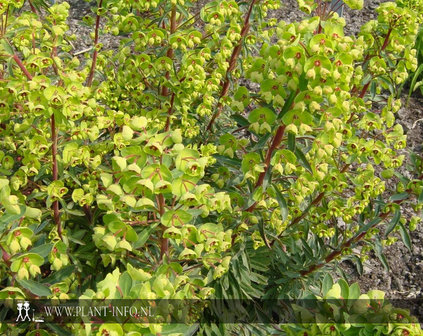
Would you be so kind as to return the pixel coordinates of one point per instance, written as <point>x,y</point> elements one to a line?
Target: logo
<point>23,313</point>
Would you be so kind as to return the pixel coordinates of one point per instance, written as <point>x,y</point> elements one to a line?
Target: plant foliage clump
<point>217,153</point>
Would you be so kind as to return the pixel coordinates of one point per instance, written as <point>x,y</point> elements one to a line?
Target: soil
<point>404,280</point>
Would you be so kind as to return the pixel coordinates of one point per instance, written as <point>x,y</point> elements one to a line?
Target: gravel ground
<point>405,277</point>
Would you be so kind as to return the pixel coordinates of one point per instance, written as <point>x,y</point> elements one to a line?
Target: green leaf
<point>399,197</point>
<point>414,80</point>
<point>59,331</point>
<point>345,289</point>
<point>379,253</point>
<point>125,283</point>
<point>282,203</point>
<point>143,236</point>
<point>175,218</point>
<point>60,275</point>
<point>261,143</point>
<point>240,120</point>
<point>119,163</point>
<point>327,284</point>
<point>42,250</point>
<point>405,237</point>
<point>35,287</point>
<point>358,264</point>
<point>354,292</point>
<point>6,46</point>
<point>263,114</point>
<point>9,218</point>
<point>224,160</point>
<point>394,221</point>
<point>302,159</point>
<point>287,105</point>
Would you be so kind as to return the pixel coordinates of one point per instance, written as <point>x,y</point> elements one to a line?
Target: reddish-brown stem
<point>3,27</point>
<point>56,213</point>
<point>53,55</point>
<point>364,89</point>
<point>367,58</point>
<point>386,42</point>
<point>5,256</point>
<point>164,242</point>
<point>330,257</point>
<point>87,210</point>
<point>165,91</point>
<point>275,143</point>
<point>22,67</point>
<point>95,54</point>
<point>315,202</point>
<point>169,112</point>
<point>32,8</point>
<point>232,63</point>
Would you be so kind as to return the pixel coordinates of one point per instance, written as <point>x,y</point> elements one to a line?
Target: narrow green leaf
<point>307,250</point>
<point>303,82</point>
<point>399,197</point>
<point>35,287</point>
<point>261,143</point>
<point>402,178</point>
<point>240,120</point>
<point>8,218</point>
<point>224,160</point>
<point>394,221</point>
<point>367,78</point>
<point>143,236</point>
<point>414,80</point>
<point>182,10</point>
<point>60,275</point>
<point>377,246</point>
<point>405,237</point>
<point>58,330</point>
<point>301,157</point>
<point>287,105</point>
<point>282,203</point>
<point>369,225</point>
<point>6,46</point>
<point>263,233</point>
<point>42,250</point>
<point>358,264</point>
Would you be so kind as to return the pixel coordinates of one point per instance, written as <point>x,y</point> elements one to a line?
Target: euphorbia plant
<point>157,171</point>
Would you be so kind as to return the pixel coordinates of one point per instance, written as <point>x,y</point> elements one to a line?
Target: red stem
<point>165,91</point>
<point>94,62</point>
<point>5,256</point>
<point>277,139</point>
<point>20,64</point>
<point>232,63</point>
<point>32,8</point>
<point>330,257</point>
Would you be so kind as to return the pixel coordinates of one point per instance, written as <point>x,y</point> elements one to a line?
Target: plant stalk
<point>331,256</point>
<point>232,63</point>
<point>22,66</point>
<point>95,54</point>
<point>165,90</point>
